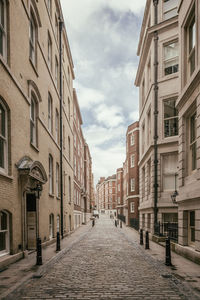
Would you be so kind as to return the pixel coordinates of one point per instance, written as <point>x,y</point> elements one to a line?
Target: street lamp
<point>175,193</point>
<point>38,189</point>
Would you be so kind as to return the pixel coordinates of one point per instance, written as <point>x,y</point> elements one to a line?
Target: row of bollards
<point>167,246</point>
<point>39,249</point>
<point>117,222</point>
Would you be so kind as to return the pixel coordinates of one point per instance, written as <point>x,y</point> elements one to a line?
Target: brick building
<point>36,144</point>
<point>106,194</point>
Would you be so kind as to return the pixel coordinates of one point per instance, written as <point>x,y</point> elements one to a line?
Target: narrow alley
<point>105,262</point>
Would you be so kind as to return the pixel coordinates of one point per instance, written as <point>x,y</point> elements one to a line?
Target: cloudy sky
<point>103,36</point>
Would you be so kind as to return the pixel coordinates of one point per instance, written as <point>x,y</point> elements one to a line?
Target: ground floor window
<point>4,232</point>
<point>191,229</point>
<point>51,226</point>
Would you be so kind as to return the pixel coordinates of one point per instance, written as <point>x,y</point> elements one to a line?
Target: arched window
<point>3,137</point>
<point>3,28</point>
<point>69,148</point>
<point>50,174</point>
<point>51,226</point>
<point>33,121</point>
<point>4,233</point>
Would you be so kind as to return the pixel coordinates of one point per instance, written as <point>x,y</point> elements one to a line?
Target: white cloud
<point>134,115</point>
<point>110,116</point>
<point>89,97</point>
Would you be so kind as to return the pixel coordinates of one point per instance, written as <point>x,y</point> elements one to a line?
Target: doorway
<point>191,228</point>
<point>31,221</point>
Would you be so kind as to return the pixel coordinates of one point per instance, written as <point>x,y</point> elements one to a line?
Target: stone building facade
<point>188,105</point>
<point>119,191</point>
<point>158,70</point>
<point>36,148</point>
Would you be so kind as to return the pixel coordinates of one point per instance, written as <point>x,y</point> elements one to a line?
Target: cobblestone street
<point>104,263</point>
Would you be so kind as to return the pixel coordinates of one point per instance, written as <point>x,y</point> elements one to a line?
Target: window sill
<point>33,66</point>
<point>6,175</point>
<point>51,195</point>
<point>58,198</point>
<point>34,147</point>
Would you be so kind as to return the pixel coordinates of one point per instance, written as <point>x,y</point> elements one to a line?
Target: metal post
<point>61,129</point>
<point>93,223</point>
<point>116,223</point>
<point>168,252</point>
<point>58,242</point>
<point>147,240</point>
<point>120,224</point>
<point>141,236</point>
<point>39,252</point>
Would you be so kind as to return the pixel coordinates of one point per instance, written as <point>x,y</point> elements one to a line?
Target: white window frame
<point>50,174</point>
<point>132,139</point>
<point>50,113</point>
<point>169,120</point>
<point>6,233</point>
<point>132,207</point>
<point>49,57</point>
<point>132,183</point>
<point>57,126</point>
<point>4,140</point>
<point>51,226</point>
<point>32,39</point>
<point>33,121</point>
<point>170,60</point>
<point>3,29</point>
<point>56,71</point>
<point>170,10</point>
<point>57,180</point>
<point>132,159</point>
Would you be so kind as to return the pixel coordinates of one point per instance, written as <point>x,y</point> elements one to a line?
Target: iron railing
<point>134,223</point>
<point>167,229</point>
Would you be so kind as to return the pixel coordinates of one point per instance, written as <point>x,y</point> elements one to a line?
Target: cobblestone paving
<point>104,264</point>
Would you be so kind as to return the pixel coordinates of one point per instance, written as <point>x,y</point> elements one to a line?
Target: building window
<point>56,71</point>
<point>118,187</point>
<point>57,126</point>
<point>143,137</point>
<point>4,233</point>
<point>149,127</point>
<point>70,190</point>
<point>132,161</point>
<point>191,43</point>
<point>132,184</point>
<point>118,175</point>
<point>33,121</point>
<point>143,182</point>
<point>58,223</point>
<point>132,207</point>
<point>149,177</point>
<point>56,27</point>
<point>50,174</point>
<point>68,109</point>
<point>50,115</point>
<point>57,181</point>
<point>75,165</point>
<point>49,6</point>
<point>32,40</point>
<point>3,137</point>
<point>193,142</point>
<point>171,58</point>
<point>191,228</point>
<point>69,148</point>
<point>49,52</point>
<point>132,137</point>
<point>3,28</point>
<point>170,118</point>
<point>169,8</point>
<point>118,200</point>
<point>169,170</point>
<point>64,137</point>
<point>51,226</point>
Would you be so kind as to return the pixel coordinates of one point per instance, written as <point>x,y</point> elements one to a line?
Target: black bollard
<point>141,236</point>
<point>39,252</point>
<point>93,222</point>
<point>147,240</point>
<point>116,223</point>
<point>120,224</point>
<point>58,242</point>
<point>168,252</point>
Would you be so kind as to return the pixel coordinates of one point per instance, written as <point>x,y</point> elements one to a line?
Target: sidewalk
<point>17,273</point>
<point>182,268</point>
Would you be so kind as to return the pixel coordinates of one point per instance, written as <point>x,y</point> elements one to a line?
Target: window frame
<point>4,138</point>
<point>50,113</point>
<point>57,180</point>
<point>175,118</point>
<point>49,51</point>
<point>4,30</point>
<point>34,121</point>
<point>191,52</point>
<point>51,187</point>
<point>132,207</point>
<point>132,184</point>
<point>57,127</point>
<point>170,59</point>
<point>33,43</point>
<point>169,10</point>
<point>132,161</point>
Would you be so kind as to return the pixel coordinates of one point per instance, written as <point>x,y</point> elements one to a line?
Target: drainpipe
<point>155,2</point>
<point>61,127</point>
